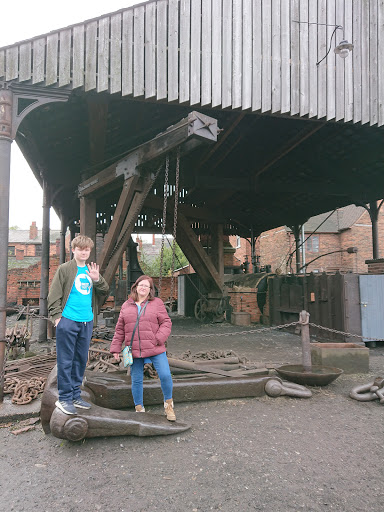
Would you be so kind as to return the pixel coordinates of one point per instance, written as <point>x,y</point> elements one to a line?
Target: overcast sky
<point>25,19</point>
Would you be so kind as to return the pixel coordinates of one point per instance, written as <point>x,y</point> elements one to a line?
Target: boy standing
<point>76,293</point>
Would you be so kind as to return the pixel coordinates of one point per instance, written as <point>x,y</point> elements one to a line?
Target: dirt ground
<point>256,454</point>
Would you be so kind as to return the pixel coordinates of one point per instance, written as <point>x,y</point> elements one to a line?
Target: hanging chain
<point>176,196</point>
<point>163,222</point>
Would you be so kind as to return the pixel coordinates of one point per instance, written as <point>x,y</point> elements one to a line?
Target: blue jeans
<point>160,362</point>
<point>72,344</point>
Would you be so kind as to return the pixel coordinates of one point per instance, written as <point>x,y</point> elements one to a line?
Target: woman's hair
<point>133,295</point>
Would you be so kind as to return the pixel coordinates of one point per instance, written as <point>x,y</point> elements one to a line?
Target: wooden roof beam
<point>186,134</point>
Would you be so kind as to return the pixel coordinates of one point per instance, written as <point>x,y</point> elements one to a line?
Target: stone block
<point>240,318</point>
<point>350,357</point>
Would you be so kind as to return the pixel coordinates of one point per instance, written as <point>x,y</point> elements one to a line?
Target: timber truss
<point>134,176</point>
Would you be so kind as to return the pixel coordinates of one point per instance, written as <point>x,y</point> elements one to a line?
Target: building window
<point>238,242</point>
<point>38,250</point>
<point>312,244</point>
<point>11,250</point>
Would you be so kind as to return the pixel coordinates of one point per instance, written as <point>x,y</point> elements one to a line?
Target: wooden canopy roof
<point>297,138</point>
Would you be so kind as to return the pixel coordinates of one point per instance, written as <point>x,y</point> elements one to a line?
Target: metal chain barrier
<point>251,331</point>
<point>343,333</point>
<point>164,220</point>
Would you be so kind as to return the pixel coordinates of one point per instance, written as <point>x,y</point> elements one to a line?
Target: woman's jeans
<point>160,362</point>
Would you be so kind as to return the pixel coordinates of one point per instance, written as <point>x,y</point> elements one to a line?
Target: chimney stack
<point>33,231</point>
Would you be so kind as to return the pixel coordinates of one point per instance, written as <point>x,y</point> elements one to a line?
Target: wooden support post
<point>126,230</point>
<point>44,279</point>
<point>193,250</point>
<point>88,221</point>
<point>120,214</point>
<point>217,248</point>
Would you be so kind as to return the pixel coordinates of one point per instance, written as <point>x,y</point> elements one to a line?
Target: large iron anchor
<point>371,391</point>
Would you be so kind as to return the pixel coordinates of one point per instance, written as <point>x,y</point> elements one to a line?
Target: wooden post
<point>305,341</point>
<point>88,221</point>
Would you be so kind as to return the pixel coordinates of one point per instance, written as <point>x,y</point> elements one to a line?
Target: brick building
<point>24,263</point>
<point>346,227</point>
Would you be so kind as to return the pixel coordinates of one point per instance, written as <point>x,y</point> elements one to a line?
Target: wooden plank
<point>237,53</point>
<point>65,58</point>
<point>38,60</point>
<point>285,58</point>
<point>348,65</point>
<point>206,52</point>
<point>373,70</point>
<point>312,57</point>
<point>321,52</point>
<point>276,57</point>
<point>173,50</point>
<point>161,50</point>
<point>304,74</point>
<point>138,51</point>
<point>127,54</point>
<point>331,79</point>
<point>380,62</point>
<point>150,50</point>
<point>25,63</point>
<point>52,58</point>
<point>266,67</point>
<point>257,56</point>
<point>195,51</point>
<point>103,55</point>
<point>216,52</point>
<point>90,55</point>
<point>356,57</point>
<point>185,44</point>
<point>12,55</point>
<point>295,58</point>
<point>364,45</point>
<point>246,92</point>
<point>226,87</point>
<point>339,92</point>
<point>78,56</point>
<point>115,72</point>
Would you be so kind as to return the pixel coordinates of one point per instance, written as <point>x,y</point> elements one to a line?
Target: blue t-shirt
<point>79,304</point>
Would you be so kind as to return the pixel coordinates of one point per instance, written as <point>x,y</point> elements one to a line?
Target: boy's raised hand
<point>93,271</point>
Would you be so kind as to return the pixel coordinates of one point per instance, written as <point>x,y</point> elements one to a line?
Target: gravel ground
<point>257,454</point>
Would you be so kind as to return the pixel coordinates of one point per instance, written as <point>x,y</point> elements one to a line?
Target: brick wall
<point>166,287</point>
<point>375,266</point>
<point>244,299</point>
<point>274,247</point>
<point>19,295</point>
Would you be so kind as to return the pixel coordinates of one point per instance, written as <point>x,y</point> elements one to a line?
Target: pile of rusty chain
<point>24,391</point>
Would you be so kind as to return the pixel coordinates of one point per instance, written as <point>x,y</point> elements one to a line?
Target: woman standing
<point>152,330</point>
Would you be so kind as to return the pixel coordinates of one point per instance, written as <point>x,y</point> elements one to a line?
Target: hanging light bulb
<point>343,49</point>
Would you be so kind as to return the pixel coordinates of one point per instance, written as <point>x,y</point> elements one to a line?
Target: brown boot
<point>140,408</point>
<point>169,412</point>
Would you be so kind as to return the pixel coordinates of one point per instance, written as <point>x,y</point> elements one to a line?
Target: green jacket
<point>61,287</point>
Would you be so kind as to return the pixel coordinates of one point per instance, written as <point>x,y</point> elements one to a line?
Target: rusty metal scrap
<point>26,378</point>
<point>24,391</point>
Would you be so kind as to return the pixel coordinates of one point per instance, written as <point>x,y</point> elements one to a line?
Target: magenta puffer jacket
<point>151,333</point>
